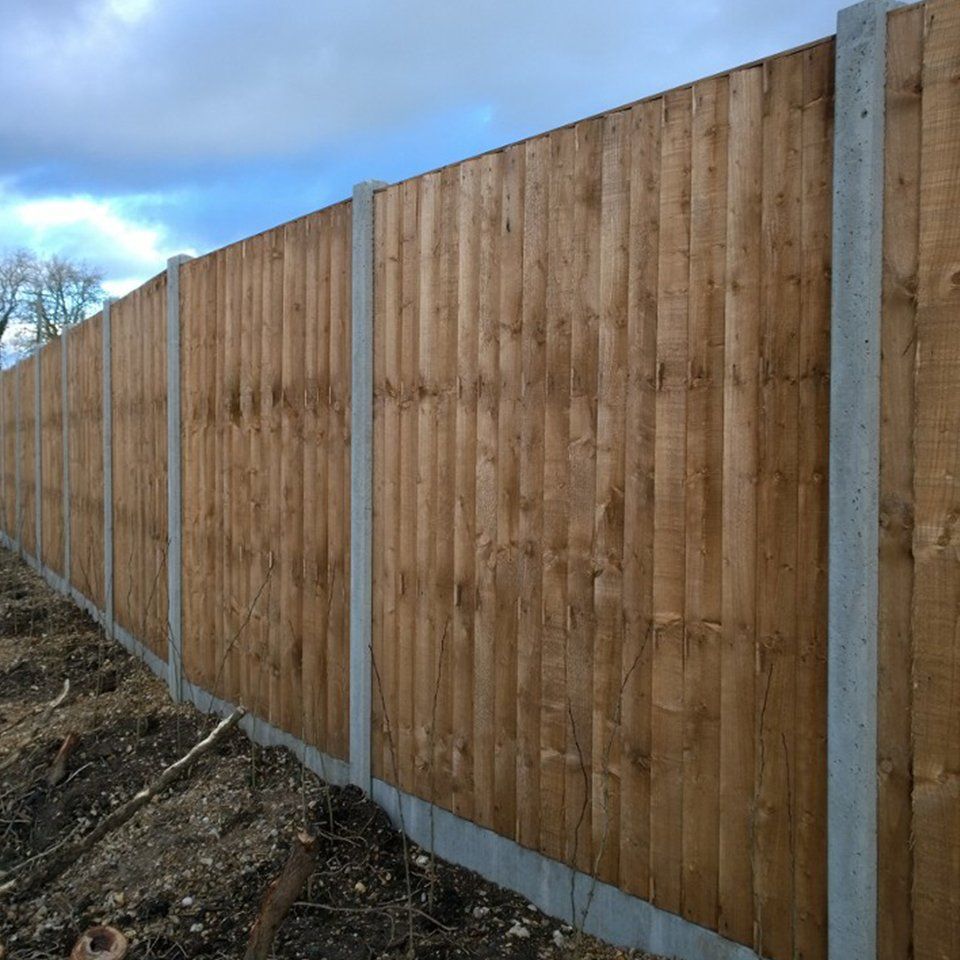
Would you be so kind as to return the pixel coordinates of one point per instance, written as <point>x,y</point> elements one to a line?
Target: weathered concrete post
<point>107,400</point>
<point>174,485</point>
<point>854,479</point>
<point>361,483</point>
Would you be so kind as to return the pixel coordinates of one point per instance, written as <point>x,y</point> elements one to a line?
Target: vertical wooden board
<point>611,386</point>
<point>901,206</point>
<point>191,458</point>
<point>446,379</point>
<point>739,584</point>
<point>410,270</point>
<point>9,451</point>
<point>245,499</point>
<point>424,667</point>
<point>339,504</point>
<point>464,526</point>
<point>378,718</point>
<point>160,525</point>
<point>936,543</point>
<point>666,758</point>
<point>507,557</point>
<point>211,342</point>
<point>220,502</point>
<point>312,632</point>
<point>556,481</point>
<point>274,333</point>
<point>388,221</point>
<point>809,823</point>
<point>291,477</point>
<point>488,389</point>
<point>581,492</point>
<point>777,520</point>
<point>639,426</point>
<point>536,197</point>
<point>703,525</point>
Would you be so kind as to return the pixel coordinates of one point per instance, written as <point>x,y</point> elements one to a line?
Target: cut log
<point>281,895</point>
<point>100,943</point>
<point>58,769</point>
<point>64,856</point>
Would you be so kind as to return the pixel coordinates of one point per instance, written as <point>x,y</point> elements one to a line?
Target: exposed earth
<point>186,875</point>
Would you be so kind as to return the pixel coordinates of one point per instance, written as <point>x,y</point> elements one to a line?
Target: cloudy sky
<point>131,130</point>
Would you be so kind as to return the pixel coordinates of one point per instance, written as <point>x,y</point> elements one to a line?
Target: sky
<point>132,130</point>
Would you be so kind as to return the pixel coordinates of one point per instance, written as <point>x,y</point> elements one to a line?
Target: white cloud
<point>110,233</point>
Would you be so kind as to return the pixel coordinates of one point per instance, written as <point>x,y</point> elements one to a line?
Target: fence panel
<point>85,415</point>
<point>139,352</point>
<point>601,383</point>
<point>266,405</point>
<point>8,385</point>
<point>51,443</point>
<point>26,399</point>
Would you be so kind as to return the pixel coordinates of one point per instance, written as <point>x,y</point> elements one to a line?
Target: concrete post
<point>361,484</point>
<point>107,401</point>
<point>174,485</point>
<point>65,431</point>
<point>854,479</point>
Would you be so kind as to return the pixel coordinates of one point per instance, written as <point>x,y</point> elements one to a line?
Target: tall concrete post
<point>854,479</point>
<point>361,484</point>
<point>174,485</point>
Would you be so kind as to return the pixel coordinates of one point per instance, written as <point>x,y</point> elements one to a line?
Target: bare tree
<point>61,293</point>
<point>16,272</point>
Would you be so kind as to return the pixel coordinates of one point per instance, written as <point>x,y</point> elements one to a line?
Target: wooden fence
<point>601,436</point>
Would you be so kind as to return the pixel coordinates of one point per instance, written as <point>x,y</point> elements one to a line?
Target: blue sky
<point>131,130</point>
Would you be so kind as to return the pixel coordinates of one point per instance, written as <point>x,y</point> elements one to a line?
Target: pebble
<point>480,912</point>
<point>519,931</point>
<point>558,938</point>
<point>186,902</point>
<point>196,927</point>
<point>422,860</point>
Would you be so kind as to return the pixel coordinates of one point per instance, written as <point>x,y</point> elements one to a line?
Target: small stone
<point>360,887</point>
<point>519,931</point>
<point>196,927</point>
<point>558,938</point>
<point>480,912</point>
<point>186,902</point>
<point>422,860</point>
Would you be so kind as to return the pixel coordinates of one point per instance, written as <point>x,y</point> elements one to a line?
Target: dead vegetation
<point>211,864</point>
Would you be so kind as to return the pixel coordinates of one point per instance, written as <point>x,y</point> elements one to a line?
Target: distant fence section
<point>601,438</point>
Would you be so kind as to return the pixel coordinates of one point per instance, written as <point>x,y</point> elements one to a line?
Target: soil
<point>185,877</point>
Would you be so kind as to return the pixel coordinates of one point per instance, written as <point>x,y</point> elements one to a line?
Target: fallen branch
<point>58,769</point>
<point>53,866</point>
<point>281,895</point>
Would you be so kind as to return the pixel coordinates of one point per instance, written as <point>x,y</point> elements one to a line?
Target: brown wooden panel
<point>51,445</point>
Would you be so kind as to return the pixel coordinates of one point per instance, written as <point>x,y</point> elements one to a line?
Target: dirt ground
<point>185,876</point>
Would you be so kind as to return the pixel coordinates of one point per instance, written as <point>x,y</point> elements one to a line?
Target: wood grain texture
<point>936,536</point>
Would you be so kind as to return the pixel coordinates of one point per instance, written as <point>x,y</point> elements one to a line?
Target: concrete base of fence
<point>568,895</point>
<point>602,910</point>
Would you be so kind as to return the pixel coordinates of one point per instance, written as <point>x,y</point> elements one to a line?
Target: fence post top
<point>368,186</point>
<point>177,260</point>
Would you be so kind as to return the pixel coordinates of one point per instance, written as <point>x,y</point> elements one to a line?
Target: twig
<point>55,865</point>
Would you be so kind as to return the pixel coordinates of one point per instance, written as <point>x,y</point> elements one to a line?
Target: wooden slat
<point>556,432</point>
<point>533,390</point>
<point>740,395</point>
<point>582,454</point>
<point>488,386</point>
<point>608,510</point>
<point>507,557</point>
<point>936,541</point>
<point>666,800</point>
<point>810,787</point>
<point>424,666</point>
<point>901,204</point>
<point>291,478</point>
<point>704,502</point>
<point>464,528</point>
<point>777,519</point>
<point>639,427</point>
